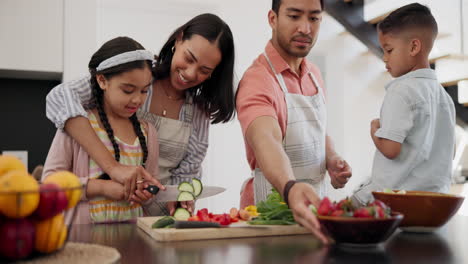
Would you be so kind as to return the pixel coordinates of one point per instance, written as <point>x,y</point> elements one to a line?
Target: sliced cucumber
<point>185,187</point>
<point>181,214</point>
<point>185,196</point>
<point>387,190</point>
<point>197,186</point>
<point>164,222</point>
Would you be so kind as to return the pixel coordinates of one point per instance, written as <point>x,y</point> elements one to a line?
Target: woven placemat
<point>79,253</point>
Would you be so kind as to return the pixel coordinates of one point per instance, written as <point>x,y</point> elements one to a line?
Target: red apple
<point>51,202</point>
<point>17,238</point>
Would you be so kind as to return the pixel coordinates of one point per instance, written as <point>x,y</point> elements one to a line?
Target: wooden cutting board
<point>172,234</point>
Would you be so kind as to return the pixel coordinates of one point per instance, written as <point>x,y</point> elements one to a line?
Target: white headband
<point>125,57</point>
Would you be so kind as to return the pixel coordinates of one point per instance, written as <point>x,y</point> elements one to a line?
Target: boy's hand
<point>339,171</point>
<point>375,124</point>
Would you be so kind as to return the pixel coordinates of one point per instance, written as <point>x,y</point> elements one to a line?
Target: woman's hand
<point>189,205</point>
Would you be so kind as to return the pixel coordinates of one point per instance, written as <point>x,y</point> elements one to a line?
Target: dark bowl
<point>363,231</point>
<point>424,211</point>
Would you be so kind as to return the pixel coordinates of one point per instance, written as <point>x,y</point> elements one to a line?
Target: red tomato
<point>203,215</point>
<point>338,213</point>
<point>326,207</point>
<point>193,218</point>
<point>362,212</point>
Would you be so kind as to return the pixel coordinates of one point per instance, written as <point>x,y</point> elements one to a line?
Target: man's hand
<point>339,171</point>
<point>129,175</point>
<point>300,197</point>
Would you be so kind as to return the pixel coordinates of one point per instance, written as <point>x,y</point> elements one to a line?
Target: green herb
<point>273,211</point>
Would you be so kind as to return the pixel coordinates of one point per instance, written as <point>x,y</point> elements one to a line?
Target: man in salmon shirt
<point>281,108</point>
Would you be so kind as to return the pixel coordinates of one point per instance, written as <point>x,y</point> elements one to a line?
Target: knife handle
<point>153,189</point>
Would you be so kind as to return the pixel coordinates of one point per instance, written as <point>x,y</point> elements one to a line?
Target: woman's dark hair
<point>275,5</point>
<point>109,49</point>
<point>215,96</point>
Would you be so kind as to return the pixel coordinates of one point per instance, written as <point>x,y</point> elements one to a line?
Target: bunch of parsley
<point>273,211</point>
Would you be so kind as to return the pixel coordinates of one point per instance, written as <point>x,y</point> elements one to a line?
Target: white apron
<point>304,141</point>
<point>173,137</point>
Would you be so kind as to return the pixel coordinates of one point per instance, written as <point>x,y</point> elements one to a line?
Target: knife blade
<point>172,192</point>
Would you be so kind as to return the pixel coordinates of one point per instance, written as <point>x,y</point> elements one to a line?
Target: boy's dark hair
<point>412,16</point>
<point>275,5</point>
<point>215,96</point>
<point>109,49</point>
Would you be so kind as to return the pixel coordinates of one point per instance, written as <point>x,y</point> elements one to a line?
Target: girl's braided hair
<point>109,49</point>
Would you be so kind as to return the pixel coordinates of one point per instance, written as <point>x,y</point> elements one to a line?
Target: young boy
<point>414,136</point>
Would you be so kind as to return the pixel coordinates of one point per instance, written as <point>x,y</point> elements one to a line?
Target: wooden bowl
<point>424,211</point>
<point>360,231</point>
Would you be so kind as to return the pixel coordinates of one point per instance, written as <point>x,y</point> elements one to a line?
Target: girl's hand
<point>112,190</point>
<point>107,188</point>
<point>141,196</point>
<point>129,175</point>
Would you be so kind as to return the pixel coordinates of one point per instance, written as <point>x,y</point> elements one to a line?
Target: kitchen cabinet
<point>31,33</point>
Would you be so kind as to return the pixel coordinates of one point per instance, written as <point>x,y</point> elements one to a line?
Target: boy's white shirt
<point>418,113</point>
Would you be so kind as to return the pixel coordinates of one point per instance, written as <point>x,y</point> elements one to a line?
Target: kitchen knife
<point>171,193</point>
<point>204,224</point>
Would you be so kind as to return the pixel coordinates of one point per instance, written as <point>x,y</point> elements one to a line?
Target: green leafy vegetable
<point>273,211</point>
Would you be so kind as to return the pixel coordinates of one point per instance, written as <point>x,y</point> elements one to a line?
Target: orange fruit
<point>66,180</point>
<point>50,234</point>
<point>19,194</point>
<point>9,163</point>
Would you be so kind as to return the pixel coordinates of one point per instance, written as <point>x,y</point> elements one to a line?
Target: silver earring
<point>173,49</point>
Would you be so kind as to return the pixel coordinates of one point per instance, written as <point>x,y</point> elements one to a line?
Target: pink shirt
<point>66,154</point>
<point>259,93</point>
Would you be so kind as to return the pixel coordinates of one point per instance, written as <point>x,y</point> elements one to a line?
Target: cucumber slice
<point>185,187</point>
<point>181,214</point>
<point>197,186</point>
<point>185,196</point>
<point>164,222</point>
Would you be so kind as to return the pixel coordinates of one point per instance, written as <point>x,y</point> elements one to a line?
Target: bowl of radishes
<point>347,224</point>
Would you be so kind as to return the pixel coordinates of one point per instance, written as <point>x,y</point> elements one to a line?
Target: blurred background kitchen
<point>49,41</point>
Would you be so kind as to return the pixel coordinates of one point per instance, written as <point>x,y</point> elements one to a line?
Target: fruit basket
<point>35,219</point>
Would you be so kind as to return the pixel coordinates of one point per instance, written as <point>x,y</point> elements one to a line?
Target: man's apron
<point>304,143</point>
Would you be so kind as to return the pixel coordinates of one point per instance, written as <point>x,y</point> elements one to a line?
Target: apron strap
<point>282,83</point>
<point>319,88</point>
<point>187,110</point>
<point>279,77</point>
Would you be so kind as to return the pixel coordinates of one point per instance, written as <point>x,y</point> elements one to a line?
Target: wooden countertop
<point>447,245</point>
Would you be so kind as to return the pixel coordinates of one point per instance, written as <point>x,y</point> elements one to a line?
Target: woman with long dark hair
<point>193,86</point>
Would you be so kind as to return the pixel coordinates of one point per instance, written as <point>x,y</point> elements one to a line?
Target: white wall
<point>355,82</point>
<point>79,37</point>
<point>31,35</point>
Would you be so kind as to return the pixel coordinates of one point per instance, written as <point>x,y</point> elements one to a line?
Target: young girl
<point>120,78</point>
<point>193,85</point>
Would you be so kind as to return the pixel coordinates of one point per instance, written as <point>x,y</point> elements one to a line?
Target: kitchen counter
<point>447,245</point>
